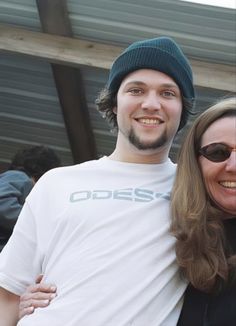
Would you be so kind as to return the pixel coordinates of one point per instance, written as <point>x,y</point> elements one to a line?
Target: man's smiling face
<point>149,107</point>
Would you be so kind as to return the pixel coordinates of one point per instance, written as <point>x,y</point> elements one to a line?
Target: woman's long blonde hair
<point>201,247</point>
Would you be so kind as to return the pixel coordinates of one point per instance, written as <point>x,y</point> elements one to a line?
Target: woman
<point>204,217</point>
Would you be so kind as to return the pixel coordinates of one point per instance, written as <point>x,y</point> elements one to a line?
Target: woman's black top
<point>201,309</point>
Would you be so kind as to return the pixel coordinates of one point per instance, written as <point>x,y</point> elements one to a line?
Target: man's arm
<point>9,308</point>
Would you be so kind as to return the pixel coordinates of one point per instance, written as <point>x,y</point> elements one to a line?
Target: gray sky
<point>218,3</point>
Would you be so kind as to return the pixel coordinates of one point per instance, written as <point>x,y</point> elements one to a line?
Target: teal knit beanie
<point>161,54</point>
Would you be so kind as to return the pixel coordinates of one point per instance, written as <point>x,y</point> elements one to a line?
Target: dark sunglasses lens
<point>216,152</point>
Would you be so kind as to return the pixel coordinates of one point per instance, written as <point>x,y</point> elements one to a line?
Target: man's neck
<point>139,157</point>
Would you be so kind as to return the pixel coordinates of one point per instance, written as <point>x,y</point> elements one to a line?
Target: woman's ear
<point>115,109</point>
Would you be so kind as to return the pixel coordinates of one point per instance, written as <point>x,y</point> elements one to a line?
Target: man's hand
<point>35,296</point>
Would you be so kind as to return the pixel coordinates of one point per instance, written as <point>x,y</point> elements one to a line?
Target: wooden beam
<point>71,93</point>
<point>71,51</point>
<point>57,49</point>
<point>54,17</point>
<point>69,83</point>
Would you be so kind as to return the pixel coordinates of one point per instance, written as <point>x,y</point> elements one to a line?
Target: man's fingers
<point>30,301</point>
<point>27,307</point>
<point>34,303</point>
<point>37,296</point>
<point>25,311</point>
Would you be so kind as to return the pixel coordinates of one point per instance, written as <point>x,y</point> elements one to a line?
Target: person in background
<point>100,230</point>
<point>204,217</point>
<point>26,167</point>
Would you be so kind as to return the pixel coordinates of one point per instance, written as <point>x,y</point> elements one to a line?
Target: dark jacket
<point>201,309</point>
<point>14,188</point>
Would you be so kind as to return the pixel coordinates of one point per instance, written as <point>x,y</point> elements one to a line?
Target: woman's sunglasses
<point>216,152</point>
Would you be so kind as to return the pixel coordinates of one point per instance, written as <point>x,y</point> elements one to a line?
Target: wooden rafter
<point>69,83</point>
<point>74,52</point>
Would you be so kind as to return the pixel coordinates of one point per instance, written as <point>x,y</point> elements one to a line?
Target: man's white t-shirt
<point>100,232</point>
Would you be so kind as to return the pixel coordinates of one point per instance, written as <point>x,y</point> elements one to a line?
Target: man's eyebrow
<point>139,83</point>
<point>135,82</point>
<point>169,85</point>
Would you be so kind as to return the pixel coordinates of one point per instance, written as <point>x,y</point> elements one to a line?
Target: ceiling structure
<point>55,56</point>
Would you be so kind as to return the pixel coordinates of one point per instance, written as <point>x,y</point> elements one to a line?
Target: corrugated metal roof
<point>30,111</point>
<point>30,106</point>
<point>21,13</point>
<point>204,32</point>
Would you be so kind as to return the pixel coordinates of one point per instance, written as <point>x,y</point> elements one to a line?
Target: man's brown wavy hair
<point>202,250</point>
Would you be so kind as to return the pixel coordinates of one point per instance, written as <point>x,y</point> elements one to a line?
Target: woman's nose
<point>231,162</point>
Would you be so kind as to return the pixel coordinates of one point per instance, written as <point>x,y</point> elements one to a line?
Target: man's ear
<point>115,109</point>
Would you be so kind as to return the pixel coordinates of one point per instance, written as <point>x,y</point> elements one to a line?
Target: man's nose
<point>151,102</point>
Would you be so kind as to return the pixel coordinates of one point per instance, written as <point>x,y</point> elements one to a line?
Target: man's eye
<point>168,93</point>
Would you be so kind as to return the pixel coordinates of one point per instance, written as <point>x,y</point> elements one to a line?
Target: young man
<point>100,230</point>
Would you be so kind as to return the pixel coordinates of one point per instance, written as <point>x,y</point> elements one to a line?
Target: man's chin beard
<point>139,144</point>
